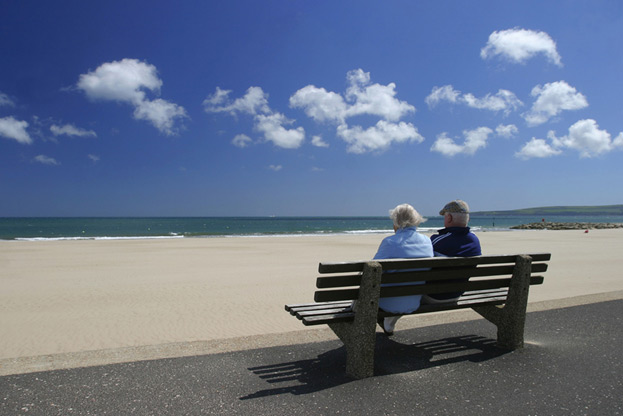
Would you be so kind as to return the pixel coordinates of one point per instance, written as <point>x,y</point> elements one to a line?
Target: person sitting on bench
<point>405,243</point>
<point>455,240</point>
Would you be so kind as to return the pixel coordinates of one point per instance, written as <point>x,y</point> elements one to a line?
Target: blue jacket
<point>405,243</point>
<point>454,242</point>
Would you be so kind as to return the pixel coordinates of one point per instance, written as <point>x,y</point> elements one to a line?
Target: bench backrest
<point>440,275</point>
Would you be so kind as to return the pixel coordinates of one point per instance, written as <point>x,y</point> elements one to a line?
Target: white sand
<point>61,297</point>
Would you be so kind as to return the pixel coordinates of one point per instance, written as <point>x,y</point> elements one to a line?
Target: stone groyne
<point>545,225</point>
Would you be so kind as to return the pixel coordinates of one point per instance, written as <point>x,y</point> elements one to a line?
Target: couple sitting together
<point>455,240</point>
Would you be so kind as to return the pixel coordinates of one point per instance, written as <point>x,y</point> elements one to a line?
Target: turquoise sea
<point>204,227</point>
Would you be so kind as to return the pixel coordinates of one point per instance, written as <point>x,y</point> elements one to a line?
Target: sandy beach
<point>73,297</point>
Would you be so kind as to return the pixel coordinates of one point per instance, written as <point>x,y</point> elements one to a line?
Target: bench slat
<point>324,282</point>
<point>314,304</point>
<point>431,288</point>
<point>325,319</point>
<point>426,262</point>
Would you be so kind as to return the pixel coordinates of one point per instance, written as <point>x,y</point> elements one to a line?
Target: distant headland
<point>557,210</point>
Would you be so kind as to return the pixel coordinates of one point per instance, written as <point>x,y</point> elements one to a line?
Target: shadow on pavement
<point>391,357</point>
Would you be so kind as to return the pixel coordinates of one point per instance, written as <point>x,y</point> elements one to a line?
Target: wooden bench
<point>497,290</point>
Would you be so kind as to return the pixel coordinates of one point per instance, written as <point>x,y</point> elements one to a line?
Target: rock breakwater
<point>544,225</point>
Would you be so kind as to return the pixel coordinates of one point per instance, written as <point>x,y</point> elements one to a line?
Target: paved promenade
<point>572,365</point>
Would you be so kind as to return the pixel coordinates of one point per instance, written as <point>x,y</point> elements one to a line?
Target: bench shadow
<point>391,357</point>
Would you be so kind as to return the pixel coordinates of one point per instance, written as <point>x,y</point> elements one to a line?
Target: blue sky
<point>155,108</point>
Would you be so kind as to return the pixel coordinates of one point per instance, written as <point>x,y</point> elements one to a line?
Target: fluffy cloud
<point>551,99</point>
<point>318,142</point>
<point>12,128</point>
<point>275,168</point>
<point>272,127</point>
<point>503,100</point>
<point>162,114</point>
<point>374,99</point>
<point>584,136</point>
<point>71,130</point>
<point>506,131</point>
<point>241,141</point>
<point>126,81</point>
<point>255,103</point>
<point>445,93</point>
<point>474,140</point>
<point>320,104</point>
<point>5,100</point>
<point>45,160</point>
<point>361,98</point>
<point>519,45</point>
<point>538,148</point>
<point>378,137</point>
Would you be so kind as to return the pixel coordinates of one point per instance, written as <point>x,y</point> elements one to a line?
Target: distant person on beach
<point>455,240</point>
<point>405,243</point>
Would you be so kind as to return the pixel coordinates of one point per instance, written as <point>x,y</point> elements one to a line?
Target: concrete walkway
<point>571,365</point>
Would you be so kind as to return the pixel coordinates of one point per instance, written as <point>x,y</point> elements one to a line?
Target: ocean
<point>34,229</point>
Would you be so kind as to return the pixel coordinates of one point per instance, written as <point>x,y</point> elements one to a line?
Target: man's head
<point>455,214</point>
<point>405,216</point>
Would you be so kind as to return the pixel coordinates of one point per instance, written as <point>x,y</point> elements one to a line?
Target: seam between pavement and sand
<point>21,365</point>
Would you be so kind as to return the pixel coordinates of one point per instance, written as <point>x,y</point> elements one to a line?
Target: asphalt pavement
<point>571,365</point>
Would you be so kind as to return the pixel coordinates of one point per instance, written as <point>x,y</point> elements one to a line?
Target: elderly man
<point>405,243</point>
<point>455,240</point>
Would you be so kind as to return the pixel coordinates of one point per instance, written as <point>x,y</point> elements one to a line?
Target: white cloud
<point>378,137</point>
<point>446,146</point>
<point>445,93</point>
<point>503,100</point>
<point>506,131</point>
<point>374,99</point>
<point>94,158</point>
<point>584,136</point>
<point>361,98</point>
<point>275,168</point>
<point>162,114</point>
<point>519,45</point>
<point>254,102</point>
<point>5,100</point>
<point>551,99</point>
<point>12,128</point>
<point>46,160</point>
<point>474,140</point>
<point>318,142</point>
<point>241,141</point>
<point>272,127</point>
<point>126,81</point>
<point>538,148</point>
<point>320,104</point>
<point>71,130</point>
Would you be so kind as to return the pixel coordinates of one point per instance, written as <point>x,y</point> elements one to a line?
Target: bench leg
<point>359,336</point>
<point>511,318</point>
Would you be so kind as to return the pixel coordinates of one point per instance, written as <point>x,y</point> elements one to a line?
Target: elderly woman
<point>405,243</point>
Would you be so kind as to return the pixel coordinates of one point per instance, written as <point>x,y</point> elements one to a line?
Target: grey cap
<point>455,206</point>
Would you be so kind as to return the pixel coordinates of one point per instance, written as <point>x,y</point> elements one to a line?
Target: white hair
<point>404,216</point>
<point>460,218</point>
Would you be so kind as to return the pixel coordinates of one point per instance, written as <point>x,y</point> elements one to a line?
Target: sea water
<point>204,227</point>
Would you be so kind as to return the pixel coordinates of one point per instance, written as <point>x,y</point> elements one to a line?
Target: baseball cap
<point>455,206</point>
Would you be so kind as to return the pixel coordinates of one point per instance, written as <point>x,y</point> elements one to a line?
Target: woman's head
<point>404,216</point>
